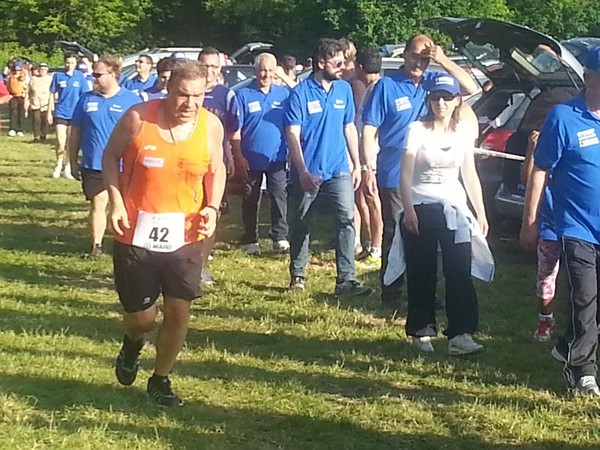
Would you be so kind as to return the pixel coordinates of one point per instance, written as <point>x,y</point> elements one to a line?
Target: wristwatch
<point>367,168</point>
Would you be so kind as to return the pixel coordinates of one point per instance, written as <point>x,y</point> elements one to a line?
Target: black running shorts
<point>142,275</point>
<point>92,183</point>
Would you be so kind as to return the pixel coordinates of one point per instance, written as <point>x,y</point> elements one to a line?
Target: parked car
<point>579,46</point>
<point>521,63</point>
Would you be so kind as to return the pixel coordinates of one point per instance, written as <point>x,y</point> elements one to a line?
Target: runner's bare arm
<point>214,179</point>
<point>125,131</point>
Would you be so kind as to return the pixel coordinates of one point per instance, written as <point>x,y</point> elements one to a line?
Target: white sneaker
<point>463,344</point>
<point>68,174</point>
<point>586,385</point>
<point>423,343</point>
<point>12,133</point>
<point>20,134</point>
<point>57,169</point>
<point>281,246</point>
<point>253,249</point>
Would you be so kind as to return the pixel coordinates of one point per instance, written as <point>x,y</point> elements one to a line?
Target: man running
<point>94,119</point>
<point>163,204</point>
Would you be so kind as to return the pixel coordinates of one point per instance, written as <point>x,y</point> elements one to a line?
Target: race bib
<point>162,233</point>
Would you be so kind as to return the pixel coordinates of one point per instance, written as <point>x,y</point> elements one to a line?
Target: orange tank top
<point>160,177</point>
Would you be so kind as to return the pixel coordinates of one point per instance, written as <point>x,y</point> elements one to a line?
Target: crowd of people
<point>391,155</point>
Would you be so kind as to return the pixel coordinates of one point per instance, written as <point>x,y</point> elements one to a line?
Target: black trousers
<point>391,204</point>
<point>421,267</point>
<point>17,113</point>
<point>580,341</point>
<point>277,187</point>
<point>40,124</point>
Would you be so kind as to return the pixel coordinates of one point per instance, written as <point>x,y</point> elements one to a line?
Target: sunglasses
<point>97,75</point>
<point>210,66</point>
<point>446,96</point>
<point>336,64</point>
<point>141,61</point>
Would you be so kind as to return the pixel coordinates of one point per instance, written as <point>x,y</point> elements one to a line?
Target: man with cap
<point>159,90</point>
<point>65,90</point>
<point>263,152</point>
<point>37,100</point>
<point>396,102</point>
<point>94,119</point>
<point>322,137</point>
<point>17,88</point>
<point>143,80</point>
<point>567,158</point>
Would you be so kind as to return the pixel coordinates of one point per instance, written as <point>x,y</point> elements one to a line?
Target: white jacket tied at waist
<point>467,229</point>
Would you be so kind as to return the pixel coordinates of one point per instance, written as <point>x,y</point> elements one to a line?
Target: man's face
<point>42,71</point>
<point>70,64</point>
<point>103,80</point>
<point>163,79</point>
<point>265,73</point>
<point>592,83</point>
<point>213,65</point>
<point>416,58</point>
<point>143,66</point>
<point>333,67</point>
<point>185,98</point>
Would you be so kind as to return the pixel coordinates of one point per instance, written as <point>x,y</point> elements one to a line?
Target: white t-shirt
<point>438,160</point>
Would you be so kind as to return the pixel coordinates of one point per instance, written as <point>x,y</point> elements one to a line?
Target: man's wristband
<point>213,207</point>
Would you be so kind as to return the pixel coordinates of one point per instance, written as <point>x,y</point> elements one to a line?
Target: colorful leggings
<point>548,257</point>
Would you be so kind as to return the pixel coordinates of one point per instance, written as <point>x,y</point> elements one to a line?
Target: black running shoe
<point>159,389</point>
<point>128,361</point>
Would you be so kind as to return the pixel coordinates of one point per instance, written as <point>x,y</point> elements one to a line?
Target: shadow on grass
<point>203,425</point>
<point>48,239</point>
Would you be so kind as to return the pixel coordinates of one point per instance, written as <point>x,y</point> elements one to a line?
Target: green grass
<point>262,368</point>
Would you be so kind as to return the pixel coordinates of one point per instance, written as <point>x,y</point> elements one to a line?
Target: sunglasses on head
<point>446,96</point>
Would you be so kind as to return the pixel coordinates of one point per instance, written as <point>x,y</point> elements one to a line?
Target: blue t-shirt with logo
<point>137,86</point>
<point>221,101</point>
<point>69,88</point>
<point>97,116</point>
<point>261,122</point>
<point>394,104</point>
<point>322,117</point>
<point>569,147</point>
<point>153,93</point>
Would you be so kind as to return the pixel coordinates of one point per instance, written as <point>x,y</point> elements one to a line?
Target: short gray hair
<point>187,70</point>
<point>264,57</point>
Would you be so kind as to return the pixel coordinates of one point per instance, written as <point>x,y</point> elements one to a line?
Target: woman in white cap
<point>438,152</point>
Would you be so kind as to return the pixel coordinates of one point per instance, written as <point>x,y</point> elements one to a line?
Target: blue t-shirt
<point>137,86</point>
<point>261,121</point>
<point>322,117</point>
<point>69,88</point>
<point>394,104</point>
<point>153,93</point>
<point>569,147</point>
<point>97,116</point>
<point>221,101</point>
<point>545,220</point>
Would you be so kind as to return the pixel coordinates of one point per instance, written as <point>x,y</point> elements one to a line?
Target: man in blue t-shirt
<point>159,90</point>
<point>396,102</point>
<point>143,80</point>
<point>321,135</point>
<point>263,152</point>
<point>65,90</point>
<point>95,116</point>
<point>568,151</point>
<point>221,101</point>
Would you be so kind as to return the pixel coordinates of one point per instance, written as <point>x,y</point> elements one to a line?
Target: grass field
<point>262,368</point>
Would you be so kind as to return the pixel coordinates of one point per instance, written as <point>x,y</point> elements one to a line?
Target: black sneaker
<point>352,287</point>
<point>128,361</point>
<point>297,284</point>
<point>159,389</point>
<point>96,252</point>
